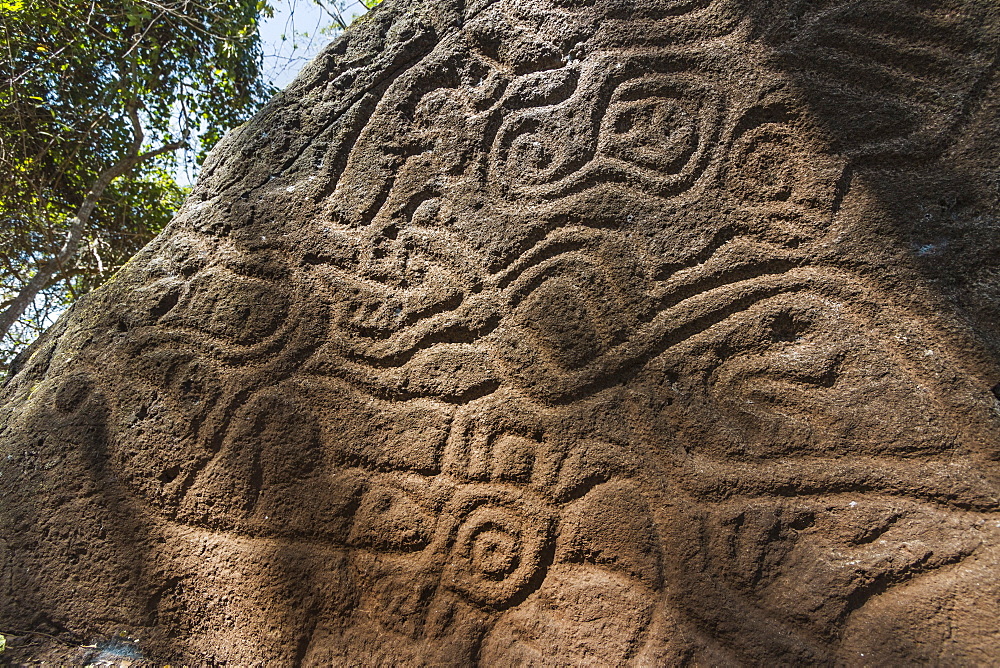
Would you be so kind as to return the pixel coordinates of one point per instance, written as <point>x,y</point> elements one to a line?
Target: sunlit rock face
<point>556,333</point>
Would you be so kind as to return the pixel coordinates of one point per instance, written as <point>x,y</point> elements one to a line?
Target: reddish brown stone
<point>562,333</point>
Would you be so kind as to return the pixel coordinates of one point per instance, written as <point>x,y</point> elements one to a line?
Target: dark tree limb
<point>16,307</point>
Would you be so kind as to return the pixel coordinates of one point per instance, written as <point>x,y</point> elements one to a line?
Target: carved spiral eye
<point>493,548</point>
<point>499,547</point>
<point>541,148</point>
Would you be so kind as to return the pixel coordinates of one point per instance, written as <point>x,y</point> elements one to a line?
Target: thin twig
<point>17,632</point>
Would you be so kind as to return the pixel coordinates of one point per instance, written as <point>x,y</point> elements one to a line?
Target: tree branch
<point>70,246</point>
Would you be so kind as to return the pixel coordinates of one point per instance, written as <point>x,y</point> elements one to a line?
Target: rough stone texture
<point>567,332</point>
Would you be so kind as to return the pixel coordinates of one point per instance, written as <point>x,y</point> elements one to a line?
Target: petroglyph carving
<point>577,333</point>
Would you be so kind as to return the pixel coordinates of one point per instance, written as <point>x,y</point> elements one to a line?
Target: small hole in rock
<point>170,475</point>
<point>785,327</point>
<point>166,303</point>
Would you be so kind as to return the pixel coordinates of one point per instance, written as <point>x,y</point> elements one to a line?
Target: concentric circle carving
<point>501,546</point>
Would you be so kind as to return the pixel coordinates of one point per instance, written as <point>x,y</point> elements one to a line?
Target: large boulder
<point>567,332</point>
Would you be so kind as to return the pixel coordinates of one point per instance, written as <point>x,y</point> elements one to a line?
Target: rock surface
<point>575,332</point>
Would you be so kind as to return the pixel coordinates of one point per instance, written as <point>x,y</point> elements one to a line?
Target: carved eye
<point>494,552</point>
<point>652,120</point>
<point>656,124</point>
<point>772,169</point>
<point>766,166</point>
<point>884,75</point>
<point>207,308</point>
<point>531,152</point>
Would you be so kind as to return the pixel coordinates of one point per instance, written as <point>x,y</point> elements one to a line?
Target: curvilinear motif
<point>531,335</point>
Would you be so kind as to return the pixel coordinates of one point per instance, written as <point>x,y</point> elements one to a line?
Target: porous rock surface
<point>572,332</point>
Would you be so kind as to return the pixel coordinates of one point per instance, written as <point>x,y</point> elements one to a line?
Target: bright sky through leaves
<point>291,38</point>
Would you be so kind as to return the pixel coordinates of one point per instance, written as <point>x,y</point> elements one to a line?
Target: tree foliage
<point>102,90</point>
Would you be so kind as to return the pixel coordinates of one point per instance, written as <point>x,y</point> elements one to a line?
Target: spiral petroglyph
<point>500,546</point>
<point>656,130</point>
